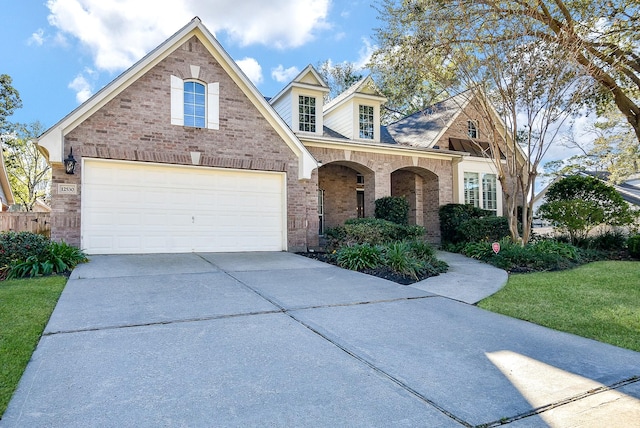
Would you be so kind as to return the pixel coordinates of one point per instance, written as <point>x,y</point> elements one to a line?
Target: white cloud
<point>83,88</point>
<point>37,38</point>
<point>252,69</point>
<point>282,75</point>
<point>120,33</point>
<point>364,54</point>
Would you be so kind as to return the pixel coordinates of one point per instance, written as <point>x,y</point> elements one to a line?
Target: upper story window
<point>194,105</point>
<point>366,122</point>
<point>306,113</point>
<point>472,129</point>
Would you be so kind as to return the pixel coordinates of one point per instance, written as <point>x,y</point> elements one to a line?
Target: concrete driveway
<point>276,339</point>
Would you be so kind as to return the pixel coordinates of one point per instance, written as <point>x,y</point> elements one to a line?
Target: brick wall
<point>429,179</point>
<point>136,126</point>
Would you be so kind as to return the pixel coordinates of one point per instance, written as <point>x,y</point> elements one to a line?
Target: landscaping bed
<point>380,271</point>
<point>382,248</point>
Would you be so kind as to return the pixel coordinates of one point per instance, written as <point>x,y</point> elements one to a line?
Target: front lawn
<point>25,308</point>
<point>600,300</point>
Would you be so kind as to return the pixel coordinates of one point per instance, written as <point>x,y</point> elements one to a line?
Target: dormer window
<point>194,105</point>
<point>306,113</point>
<point>472,129</point>
<point>366,122</point>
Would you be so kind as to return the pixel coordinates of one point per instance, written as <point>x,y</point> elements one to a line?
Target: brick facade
<point>426,181</point>
<point>136,126</point>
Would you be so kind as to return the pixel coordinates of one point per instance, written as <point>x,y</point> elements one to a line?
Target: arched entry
<point>422,190</point>
<point>345,190</point>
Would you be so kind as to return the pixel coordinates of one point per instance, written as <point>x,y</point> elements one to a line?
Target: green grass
<point>25,308</point>
<point>599,300</point>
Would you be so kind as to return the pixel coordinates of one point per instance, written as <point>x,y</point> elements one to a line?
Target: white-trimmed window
<point>366,122</point>
<point>195,103</point>
<point>306,113</point>
<point>481,190</point>
<point>472,129</point>
<point>489,193</point>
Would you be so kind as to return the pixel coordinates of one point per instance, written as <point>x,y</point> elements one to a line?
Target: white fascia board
<point>52,139</point>
<point>306,162</point>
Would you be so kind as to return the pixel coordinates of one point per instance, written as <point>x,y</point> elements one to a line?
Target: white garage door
<point>132,207</point>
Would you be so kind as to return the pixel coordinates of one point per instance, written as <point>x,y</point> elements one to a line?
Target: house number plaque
<point>67,189</point>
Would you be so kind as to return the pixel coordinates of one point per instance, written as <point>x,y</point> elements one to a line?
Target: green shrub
<point>452,216</point>
<point>370,231</point>
<point>535,256</point>
<point>477,250</point>
<point>577,204</point>
<point>484,229</point>
<point>421,249</point>
<point>359,257</point>
<point>56,257</point>
<point>62,253</point>
<point>399,258</point>
<point>608,241</point>
<point>550,246</point>
<point>633,244</point>
<point>393,208</point>
<point>19,246</point>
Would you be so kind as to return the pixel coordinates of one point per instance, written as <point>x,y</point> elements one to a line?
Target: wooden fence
<point>26,222</point>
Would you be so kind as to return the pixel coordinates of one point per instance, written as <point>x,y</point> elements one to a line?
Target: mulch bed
<point>382,272</point>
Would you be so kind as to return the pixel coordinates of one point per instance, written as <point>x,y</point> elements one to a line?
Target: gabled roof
<point>52,140</point>
<point>424,128</point>
<point>309,78</point>
<point>363,87</point>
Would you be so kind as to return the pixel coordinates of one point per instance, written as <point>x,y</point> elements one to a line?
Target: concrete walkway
<point>467,280</point>
<point>276,339</point>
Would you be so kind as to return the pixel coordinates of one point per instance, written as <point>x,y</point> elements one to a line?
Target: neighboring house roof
<point>424,128</point>
<point>6,194</point>
<point>52,140</point>
<point>629,190</point>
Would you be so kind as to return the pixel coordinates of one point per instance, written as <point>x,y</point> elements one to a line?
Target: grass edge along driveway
<point>599,300</point>
<point>25,308</point>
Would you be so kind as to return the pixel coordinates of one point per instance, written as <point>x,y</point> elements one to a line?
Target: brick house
<point>182,153</point>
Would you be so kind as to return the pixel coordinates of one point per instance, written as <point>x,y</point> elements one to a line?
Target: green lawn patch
<point>600,300</point>
<point>25,308</point>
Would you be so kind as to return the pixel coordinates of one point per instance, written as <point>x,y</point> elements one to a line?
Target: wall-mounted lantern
<point>70,162</point>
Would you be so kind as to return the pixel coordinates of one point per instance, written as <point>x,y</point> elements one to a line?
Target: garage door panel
<point>134,208</point>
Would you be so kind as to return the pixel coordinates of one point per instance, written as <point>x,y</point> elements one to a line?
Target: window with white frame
<point>489,192</point>
<point>471,189</point>
<point>306,113</point>
<point>194,105</point>
<point>366,122</point>
<point>472,129</point>
<point>481,190</point>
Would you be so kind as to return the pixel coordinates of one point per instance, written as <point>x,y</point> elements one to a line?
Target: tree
<point>28,170</point>
<point>339,76</point>
<point>614,150</point>
<point>523,88</point>
<point>579,203</point>
<point>598,37</point>
<point>9,101</point>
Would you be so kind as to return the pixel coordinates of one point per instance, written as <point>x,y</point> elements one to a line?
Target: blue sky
<point>59,52</point>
